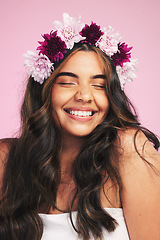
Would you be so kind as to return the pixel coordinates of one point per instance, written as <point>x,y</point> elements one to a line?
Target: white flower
<point>126,73</point>
<point>108,42</point>
<point>69,30</point>
<point>39,66</point>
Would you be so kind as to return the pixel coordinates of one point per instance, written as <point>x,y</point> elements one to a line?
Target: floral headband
<point>40,64</point>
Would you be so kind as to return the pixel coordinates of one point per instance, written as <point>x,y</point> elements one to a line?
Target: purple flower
<point>92,33</point>
<point>123,55</point>
<point>53,47</point>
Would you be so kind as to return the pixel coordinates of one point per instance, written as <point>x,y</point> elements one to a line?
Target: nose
<point>84,93</point>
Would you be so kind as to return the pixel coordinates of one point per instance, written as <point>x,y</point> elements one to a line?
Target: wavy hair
<point>32,172</point>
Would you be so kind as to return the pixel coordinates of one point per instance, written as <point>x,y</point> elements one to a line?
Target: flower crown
<point>40,64</point>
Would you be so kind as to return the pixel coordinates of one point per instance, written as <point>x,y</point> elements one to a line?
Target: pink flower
<point>123,55</point>
<point>69,30</point>
<point>127,72</point>
<point>108,42</point>
<point>53,47</point>
<point>92,33</point>
<point>39,66</point>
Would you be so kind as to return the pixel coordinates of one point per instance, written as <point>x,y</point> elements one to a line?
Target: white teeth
<point>81,113</point>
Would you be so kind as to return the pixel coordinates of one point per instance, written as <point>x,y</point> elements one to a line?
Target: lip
<point>81,118</point>
<point>80,108</point>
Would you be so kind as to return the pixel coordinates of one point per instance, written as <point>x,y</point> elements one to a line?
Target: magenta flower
<point>123,55</point>
<point>65,35</point>
<point>53,47</point>
<point>92,33</point>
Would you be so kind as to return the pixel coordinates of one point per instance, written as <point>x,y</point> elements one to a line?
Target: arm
<point>140,194</point>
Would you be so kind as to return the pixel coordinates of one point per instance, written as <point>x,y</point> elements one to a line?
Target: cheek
<point>55,104</point>
<point>103,103</point>
<point>57,98</point>
<point>106,105</point>
<point>61,96</point>
<point>106,109</point>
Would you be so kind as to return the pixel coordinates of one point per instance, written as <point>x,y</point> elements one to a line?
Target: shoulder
<point>5,145</point>
<point>138,159</point>
<point>132,142</point>
<point>4,151</point>
<point>139,166</point>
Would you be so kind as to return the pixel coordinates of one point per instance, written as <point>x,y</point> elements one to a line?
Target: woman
<point>82,155</point>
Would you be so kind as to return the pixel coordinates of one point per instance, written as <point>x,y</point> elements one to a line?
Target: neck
<point>71,146</point>
<point>70,142</point>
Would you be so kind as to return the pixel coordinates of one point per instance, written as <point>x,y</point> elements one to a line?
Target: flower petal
<point>39,66</point>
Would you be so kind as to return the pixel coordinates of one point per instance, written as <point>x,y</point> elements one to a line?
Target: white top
<point>58,226</point>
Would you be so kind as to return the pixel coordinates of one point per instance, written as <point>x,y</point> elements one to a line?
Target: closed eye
<point>66,84</point>
<point>99,86</point>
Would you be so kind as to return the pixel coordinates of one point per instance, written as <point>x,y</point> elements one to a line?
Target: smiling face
<point>79,98</point>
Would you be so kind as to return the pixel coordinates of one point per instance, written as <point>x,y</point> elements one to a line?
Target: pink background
<point>23,21</point>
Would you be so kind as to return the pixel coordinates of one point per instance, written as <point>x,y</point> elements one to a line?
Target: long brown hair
<point>32,172</point>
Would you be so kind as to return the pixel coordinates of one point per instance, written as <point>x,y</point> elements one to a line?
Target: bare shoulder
<point>133,144</point>
<point>4,151</point>
<point>5,145</point>
<point>140,174</point>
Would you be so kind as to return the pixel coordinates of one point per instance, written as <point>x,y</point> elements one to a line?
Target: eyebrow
<point>70,74</point>
<point>102,76</point>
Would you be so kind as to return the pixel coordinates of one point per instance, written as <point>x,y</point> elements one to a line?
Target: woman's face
<point>79,98</point>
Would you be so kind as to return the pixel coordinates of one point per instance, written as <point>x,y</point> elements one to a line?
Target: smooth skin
<point>141,187</point>
<point>80,86</point>
<point>79,104</point>
<point>140,197</point>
